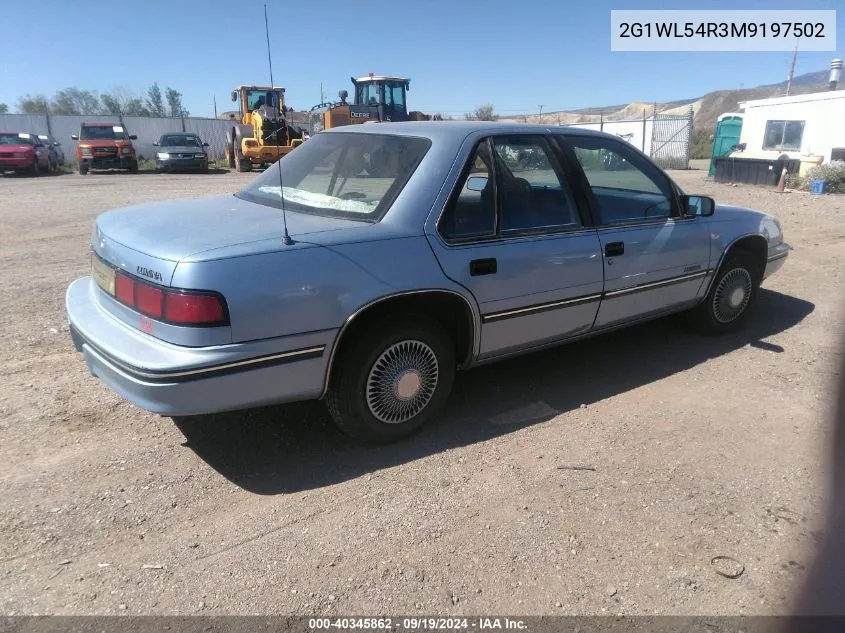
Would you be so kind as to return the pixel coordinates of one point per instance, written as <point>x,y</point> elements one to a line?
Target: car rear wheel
<point>731,295</point>
<point>83,169</point>
<point>393,380</point>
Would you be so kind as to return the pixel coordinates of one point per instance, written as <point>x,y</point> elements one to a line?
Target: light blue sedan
<point>370,264</point>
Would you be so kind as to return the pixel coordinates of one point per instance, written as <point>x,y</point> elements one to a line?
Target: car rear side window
<point>471,214</point>
<point>532,194</point>
<point>517,189</point>
<point>626,186</point>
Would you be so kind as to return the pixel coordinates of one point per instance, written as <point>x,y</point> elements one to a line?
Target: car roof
<point>87,124</point>
<point>440,130</point>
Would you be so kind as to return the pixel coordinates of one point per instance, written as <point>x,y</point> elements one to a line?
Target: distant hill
<point>706,108</point>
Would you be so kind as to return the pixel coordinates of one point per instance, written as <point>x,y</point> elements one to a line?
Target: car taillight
<point>181,307</point>
<point>148,300</point>
<point>176,306</point>
<point>124,289</point>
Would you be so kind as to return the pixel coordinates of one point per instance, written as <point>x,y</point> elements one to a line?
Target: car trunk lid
<point>159,235</point>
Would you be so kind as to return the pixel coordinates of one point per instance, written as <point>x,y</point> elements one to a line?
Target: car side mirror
<point>234,95</point>
<point>205,144</point>
<point>155,143</point>
<point>75,137</point>
<point>703,206</point>
<point>133,137</point>
<point>476,183</point>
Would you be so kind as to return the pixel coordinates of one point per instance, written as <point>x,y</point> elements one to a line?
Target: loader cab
<point>251,98</point>
<point>385,93</point>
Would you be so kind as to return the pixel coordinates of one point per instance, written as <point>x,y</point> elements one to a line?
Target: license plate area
<point>103,275</point>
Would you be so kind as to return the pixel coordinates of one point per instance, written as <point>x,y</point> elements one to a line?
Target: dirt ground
<point>701,447</point>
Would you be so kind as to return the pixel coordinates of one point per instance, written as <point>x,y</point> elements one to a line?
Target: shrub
<point>833,173</point>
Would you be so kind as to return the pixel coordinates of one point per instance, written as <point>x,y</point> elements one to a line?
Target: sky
<point>459,54</point>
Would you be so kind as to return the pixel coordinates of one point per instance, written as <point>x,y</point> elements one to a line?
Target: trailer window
<point>783,135</point>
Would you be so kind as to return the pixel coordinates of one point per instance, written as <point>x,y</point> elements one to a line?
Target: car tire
<point>35,170</point>
<point>392,380</point>
<point>731,295</point>
<point>133,167</point>
<point>51,166</point>
<point>83,169</point>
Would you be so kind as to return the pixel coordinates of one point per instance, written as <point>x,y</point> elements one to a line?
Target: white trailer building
<point>810,127</point>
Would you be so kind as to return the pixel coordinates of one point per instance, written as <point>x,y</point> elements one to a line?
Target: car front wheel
<point>730,296</point>
<point>392,381</point>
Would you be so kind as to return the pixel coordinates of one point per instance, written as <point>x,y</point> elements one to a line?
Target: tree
<point>155,104</point>
<point>111,104</point>
<point>174,102</point>
<point>3,108</point>
<point>135,106</point>
<point>74,100</point>
<point>32,104</point>
<point>484,113</point>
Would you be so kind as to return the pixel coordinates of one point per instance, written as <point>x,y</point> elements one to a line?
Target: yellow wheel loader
<point>262,135</point>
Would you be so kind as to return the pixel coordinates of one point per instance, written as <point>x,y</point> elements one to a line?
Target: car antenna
<point>287,239</point>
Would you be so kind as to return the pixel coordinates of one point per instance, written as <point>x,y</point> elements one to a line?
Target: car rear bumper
<point>175,380</point>
<point>776,258</point>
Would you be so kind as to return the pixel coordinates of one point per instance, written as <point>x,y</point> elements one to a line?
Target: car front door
<point>515,234</point>
<point>655,258</point>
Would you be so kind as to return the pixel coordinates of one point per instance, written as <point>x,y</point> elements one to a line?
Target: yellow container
<point>808,163</point>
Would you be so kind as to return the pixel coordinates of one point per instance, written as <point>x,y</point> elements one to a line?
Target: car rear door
<point>517,236</point>
<point>655,258</point>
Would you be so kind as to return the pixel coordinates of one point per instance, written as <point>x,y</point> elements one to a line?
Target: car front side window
<point>626,187</point>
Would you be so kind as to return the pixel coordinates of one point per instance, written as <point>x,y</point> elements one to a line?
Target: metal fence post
<point>643,143</point>
<point>47,119</point>
<point>601,121</point>
<point>182,116</point>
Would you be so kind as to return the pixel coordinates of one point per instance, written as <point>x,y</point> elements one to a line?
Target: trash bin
<point>817,186</point>
<point>753,171</point>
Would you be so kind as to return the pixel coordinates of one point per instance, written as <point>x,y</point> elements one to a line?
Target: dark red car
<point>24,153</point>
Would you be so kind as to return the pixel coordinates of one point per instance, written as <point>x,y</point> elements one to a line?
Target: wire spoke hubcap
<point>732,295</point>
<point>402,381</point>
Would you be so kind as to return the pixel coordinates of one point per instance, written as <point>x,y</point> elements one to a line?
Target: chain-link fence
<point>666,138</point>
<point>147,129</point>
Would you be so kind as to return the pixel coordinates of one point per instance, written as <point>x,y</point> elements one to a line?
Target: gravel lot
<point>701,447</point>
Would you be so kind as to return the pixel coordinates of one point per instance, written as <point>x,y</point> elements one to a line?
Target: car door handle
<point>613,249</point>
<point>482,267</point>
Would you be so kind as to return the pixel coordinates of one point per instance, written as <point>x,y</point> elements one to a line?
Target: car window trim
<point>496,236</point>
<point>577,180</point>
<point>674,201</point>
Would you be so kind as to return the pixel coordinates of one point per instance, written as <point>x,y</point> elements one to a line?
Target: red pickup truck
<point>105,146</point>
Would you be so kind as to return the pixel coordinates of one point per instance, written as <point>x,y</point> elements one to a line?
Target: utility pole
<point>791,69</point>
<point>541,112</point>
<point>322,96</point>
<point>215,106</point>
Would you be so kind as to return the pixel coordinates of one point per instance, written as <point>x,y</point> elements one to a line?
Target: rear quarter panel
<point>312,288</point>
